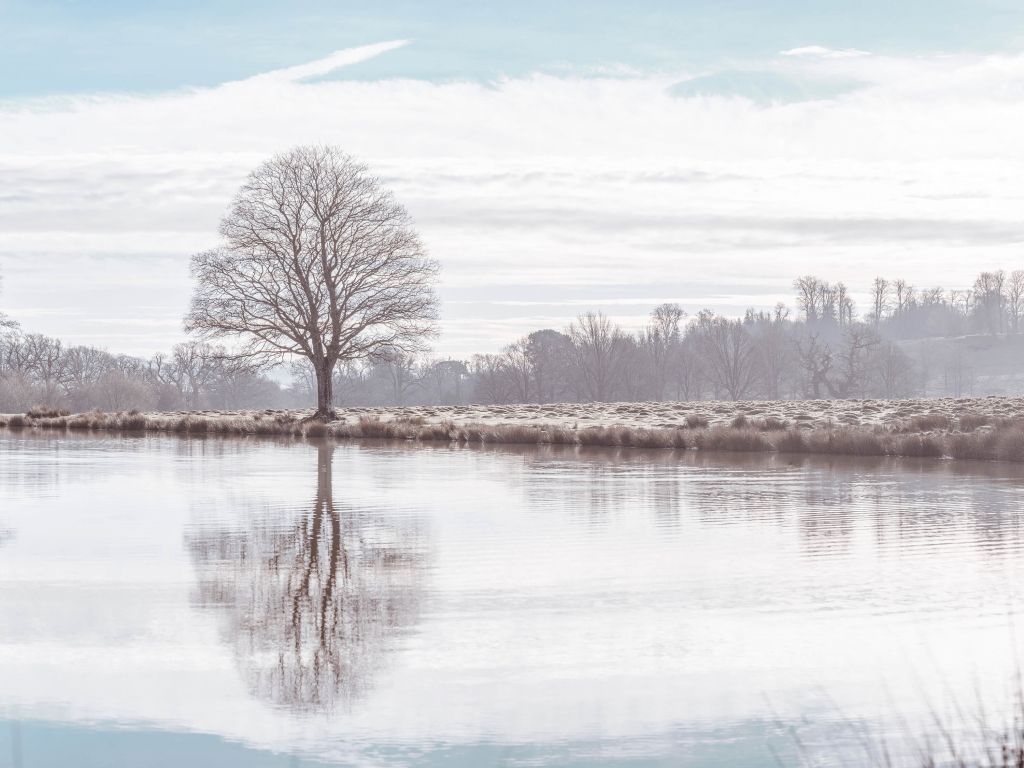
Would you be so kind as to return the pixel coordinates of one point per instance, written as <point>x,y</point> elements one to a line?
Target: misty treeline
<point>824,347</point>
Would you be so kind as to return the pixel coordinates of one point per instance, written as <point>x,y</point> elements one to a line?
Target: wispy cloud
<point>825,53</point>
<point>327,64</point>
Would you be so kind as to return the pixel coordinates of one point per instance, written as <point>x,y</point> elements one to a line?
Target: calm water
<point>169,602</point>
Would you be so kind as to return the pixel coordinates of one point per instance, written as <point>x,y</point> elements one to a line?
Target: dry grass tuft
<point>46,412</point>
<point>316,429</point>
<point>733,439</point>
<point>920,446</point>
<point>793,441</point>
<point>740,421</point>
<point>928,422</point>
<point>847,441</point>
<point>972,421</point>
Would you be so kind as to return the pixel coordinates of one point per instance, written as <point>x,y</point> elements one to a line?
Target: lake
<point>227,602</point>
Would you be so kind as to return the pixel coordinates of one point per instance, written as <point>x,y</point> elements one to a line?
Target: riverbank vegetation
<point>990,429</point>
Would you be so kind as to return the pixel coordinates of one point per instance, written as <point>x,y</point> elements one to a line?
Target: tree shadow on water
<point>312,606</point>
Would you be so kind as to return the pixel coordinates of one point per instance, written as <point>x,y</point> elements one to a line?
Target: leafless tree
<point>816,360</point>
<point>770,332</point>
<point>729,356</point>
<point>989,300</point>
<point>850,375</point>
<point>319,261</point>
<point>45,361</point>
<point>491,379</point>
<point>904,295</point>
<point>880,299</point>
<point>444,380</point>
<point>596,355</point>
<point>810,297</point>
<point>195,366</point>
<point>518,363</point>
<point>660,341</point>
<point>893,371</point>
<point>550,358</point>
<point>1015,299</point>
<point>399,370</point>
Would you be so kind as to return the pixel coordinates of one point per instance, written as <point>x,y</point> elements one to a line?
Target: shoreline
<point>985,429</point>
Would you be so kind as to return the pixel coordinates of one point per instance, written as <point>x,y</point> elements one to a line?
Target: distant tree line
<point>824,348</point>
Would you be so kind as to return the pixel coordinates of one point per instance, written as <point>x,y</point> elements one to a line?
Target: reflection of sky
<point>57,745</point>
<point>570,604</point>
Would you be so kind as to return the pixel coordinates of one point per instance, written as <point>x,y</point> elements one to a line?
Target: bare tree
<point>491,379</point>
<point>816,360</point>
<point>550,358</point>
<point>518,364</point>
<point>660,341</point>
<point>989,301</point>
<point>1015,299</point>
<point>880,299</point>
<point>771,343</point>
<point>318,261</point>
<point>596,351</point>
<point>196,366</point>
<point>811,297</point>
<point>731,362</point>
<point>858,344</point>
<point>905,296</point>
<point>399,369</point>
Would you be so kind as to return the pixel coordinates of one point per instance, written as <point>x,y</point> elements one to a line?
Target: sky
<point>557,157</point>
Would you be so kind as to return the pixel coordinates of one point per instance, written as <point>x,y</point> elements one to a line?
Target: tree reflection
<point>311,608</point>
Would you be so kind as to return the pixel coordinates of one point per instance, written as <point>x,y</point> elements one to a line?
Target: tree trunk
<point>324,391</point>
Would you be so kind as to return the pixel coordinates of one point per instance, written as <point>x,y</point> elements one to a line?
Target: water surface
<point>220,602</point>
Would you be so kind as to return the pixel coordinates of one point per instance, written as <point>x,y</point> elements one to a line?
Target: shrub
<point>694,421</point>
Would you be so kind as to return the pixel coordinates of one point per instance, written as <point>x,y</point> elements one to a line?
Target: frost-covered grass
<point>979,428</point>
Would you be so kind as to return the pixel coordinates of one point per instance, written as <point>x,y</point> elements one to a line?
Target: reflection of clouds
<point>311,607</point>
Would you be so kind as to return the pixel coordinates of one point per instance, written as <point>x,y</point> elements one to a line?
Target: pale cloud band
<point>579,192</point>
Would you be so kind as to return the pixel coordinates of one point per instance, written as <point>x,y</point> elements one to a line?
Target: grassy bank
<point>983,432</point>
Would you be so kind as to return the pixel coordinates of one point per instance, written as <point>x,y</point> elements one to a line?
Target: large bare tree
<point>318,260</point>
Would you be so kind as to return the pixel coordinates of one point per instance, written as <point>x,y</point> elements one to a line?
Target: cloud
<point>327,64</point>
<point>825,53</point>
<point>540,184</point>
